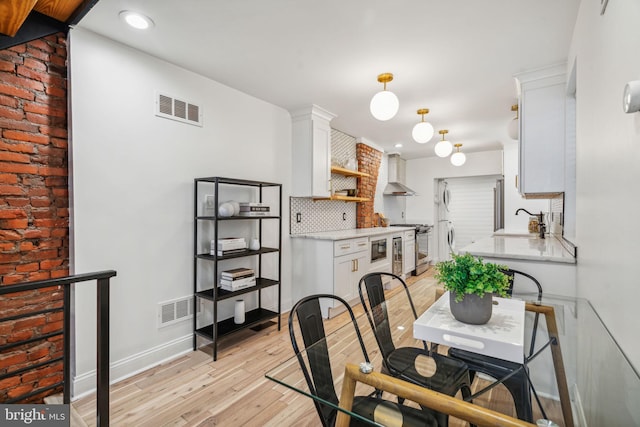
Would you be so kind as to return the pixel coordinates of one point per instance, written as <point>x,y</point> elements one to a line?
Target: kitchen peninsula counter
<point>522,247</point>
<point>351,233</point>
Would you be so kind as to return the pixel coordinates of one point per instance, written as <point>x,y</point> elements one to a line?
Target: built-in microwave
<point>378,249</point>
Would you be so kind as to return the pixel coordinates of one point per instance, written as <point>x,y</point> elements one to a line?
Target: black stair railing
<point>102,328</point>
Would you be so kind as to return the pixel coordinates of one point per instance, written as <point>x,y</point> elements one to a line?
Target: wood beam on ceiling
<point>14,13</point>
<point>47,17</point>
<point>59,10</point>
<point>36,26</point>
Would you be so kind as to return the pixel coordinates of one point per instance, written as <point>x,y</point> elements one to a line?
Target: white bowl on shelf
<point>226,209</point>
<point>236,207</point>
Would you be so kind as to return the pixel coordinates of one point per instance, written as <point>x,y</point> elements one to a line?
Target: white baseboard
<point>286,305</point>
<point>85,383</point>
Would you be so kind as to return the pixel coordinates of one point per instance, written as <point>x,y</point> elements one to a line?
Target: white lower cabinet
<point>329,267</point>
<point>347,271</point>
<point>409,255</point>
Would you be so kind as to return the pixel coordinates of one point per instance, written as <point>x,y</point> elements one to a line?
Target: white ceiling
<point>455,57</point>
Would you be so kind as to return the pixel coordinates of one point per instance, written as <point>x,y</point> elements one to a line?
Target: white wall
<point>605,49</point>
<point>512,199</point>
<point>132,176</point>
<point>421,176</point>
<point>471,207</point>
<point>422,172</point>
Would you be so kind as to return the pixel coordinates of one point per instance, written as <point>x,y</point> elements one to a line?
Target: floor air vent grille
<point>176,109</point>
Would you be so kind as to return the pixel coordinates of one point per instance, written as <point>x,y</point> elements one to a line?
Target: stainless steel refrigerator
<point>498,205</point>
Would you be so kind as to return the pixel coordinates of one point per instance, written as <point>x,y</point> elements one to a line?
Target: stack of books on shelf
<point>254,209</point>
<point>228,246</point>
<point>237,278</point>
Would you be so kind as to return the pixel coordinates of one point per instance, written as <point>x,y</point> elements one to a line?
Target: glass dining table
<point>350,377</point>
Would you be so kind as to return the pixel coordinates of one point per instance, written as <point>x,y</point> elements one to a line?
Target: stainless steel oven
<point>378,249</point>
<point>423,256</point>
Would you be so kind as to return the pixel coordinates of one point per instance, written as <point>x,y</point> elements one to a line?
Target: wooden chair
<point>476,415</point>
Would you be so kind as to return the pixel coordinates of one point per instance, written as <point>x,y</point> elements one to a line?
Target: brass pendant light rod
<point>422,112</point>
<point>385,78</point>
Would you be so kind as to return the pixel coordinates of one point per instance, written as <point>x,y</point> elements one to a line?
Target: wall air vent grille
<point>193,113</point>
<point>177,310</point>
<point>172,108</point>
<point>180,109</point>
<point>165,105</point>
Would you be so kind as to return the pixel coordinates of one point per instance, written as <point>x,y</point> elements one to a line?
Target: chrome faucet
<point>542,227</point>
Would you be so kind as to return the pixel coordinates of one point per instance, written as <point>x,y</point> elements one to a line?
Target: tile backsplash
<point>320,215</point>
<point>327,215</point>
<point>556,219</point>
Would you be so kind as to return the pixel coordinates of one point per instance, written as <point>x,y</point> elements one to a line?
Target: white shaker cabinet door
<point>542,132</point>
<point>409,256</point>
<point>343,269</point>
<point>348,270</point>
<point>311,152</point>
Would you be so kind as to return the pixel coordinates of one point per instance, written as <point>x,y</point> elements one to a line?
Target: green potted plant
<point>471,284</point>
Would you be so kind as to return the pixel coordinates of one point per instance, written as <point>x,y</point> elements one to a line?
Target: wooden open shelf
<point>348,172</point>
<point>344,198</point>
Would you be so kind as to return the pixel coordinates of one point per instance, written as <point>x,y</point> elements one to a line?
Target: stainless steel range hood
<point>395,186</point>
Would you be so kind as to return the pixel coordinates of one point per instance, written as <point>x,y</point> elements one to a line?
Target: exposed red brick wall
<point>34,203</point>
<point>368,161</point>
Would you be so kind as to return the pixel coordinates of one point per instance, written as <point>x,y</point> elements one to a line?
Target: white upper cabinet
<point>311,152</point>
<point>542,131</point>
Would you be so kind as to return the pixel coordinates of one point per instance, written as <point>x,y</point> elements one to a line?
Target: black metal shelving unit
<point>260,315</point>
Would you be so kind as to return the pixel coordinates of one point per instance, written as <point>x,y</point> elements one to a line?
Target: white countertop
<point>352,233</point>
<point>523,246</point>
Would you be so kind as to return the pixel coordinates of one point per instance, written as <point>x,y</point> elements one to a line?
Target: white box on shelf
<point>235,285</point>
<point>229,245</point>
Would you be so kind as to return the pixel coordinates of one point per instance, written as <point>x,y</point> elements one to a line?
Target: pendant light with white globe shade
<point>513,128</point>
<point>443,148</point>
<point>422,131</point>
<point>384,104</point>
<point>458,158</point>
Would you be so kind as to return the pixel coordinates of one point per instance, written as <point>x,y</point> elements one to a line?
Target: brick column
<point>368,161</point>
<point>34,203</point>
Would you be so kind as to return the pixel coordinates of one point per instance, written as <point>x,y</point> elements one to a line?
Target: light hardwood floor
<point>233,391</point>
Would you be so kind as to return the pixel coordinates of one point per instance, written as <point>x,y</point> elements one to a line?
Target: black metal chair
<point>450,375</point>
<point>316,367</point>
<point>517,375</point>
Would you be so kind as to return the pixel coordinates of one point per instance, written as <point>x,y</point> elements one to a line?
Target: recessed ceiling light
<point>136,19</point>
<point>398,145</point>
